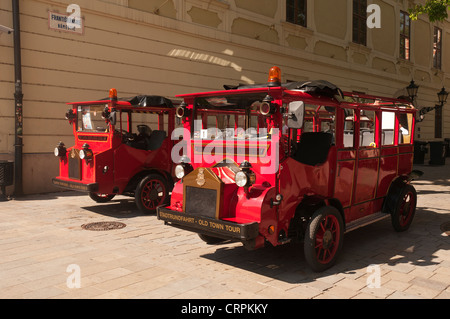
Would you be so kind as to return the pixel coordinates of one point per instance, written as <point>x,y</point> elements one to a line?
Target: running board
<point>360,222</point>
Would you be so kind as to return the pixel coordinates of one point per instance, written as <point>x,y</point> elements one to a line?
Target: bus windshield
<point>90,119</point>
<point>233,117</point>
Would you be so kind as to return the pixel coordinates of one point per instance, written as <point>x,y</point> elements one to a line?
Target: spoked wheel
<point>101,198</point>
<point>324,238</point>
<point>151,192</point>
<point>405,208</point>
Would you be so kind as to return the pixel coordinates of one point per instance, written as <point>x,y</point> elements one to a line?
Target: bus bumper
<point>209,226</point>
<point>75,186</point>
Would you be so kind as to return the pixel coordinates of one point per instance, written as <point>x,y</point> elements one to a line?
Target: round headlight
<point>60,150</point>
<point>179,171</point>
<point>241,179</point>
<point>82,154</point>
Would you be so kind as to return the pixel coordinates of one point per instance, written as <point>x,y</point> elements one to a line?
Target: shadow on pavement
<point>375,244</point>
<point>117,208</point>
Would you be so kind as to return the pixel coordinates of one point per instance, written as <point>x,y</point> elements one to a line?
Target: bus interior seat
<point>313,148</point>
<point>156,139</point>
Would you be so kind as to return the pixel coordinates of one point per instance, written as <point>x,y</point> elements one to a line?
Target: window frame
<point>437,48</point>
<point>405,49</point>
<point>296,6</point>
<point>359,22</point>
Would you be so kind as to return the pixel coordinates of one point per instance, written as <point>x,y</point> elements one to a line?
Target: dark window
<point>405,35</point>
<point>437,48</point>
<point>438,122</point>
<point>360,21</point>
<point>296,12</point>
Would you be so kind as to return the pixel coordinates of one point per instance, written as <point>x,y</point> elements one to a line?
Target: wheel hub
<point>153,195</point>
<point>327,239</point>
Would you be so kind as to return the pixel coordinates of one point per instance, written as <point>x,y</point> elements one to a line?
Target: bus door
<point>346,159</point>
<point>368,157</point>
<point>357,163</point>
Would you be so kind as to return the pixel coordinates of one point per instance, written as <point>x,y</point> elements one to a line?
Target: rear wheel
<point>323,238</point>
<point>101,198</point>
<point>405,208</point>
<point>210,240</point>
<point>151,192</point>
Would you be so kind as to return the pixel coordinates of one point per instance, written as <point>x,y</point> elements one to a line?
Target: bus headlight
<point>245,177</point>
<point>179,171</point>
<point>60,150</point>
<point>241,179</point>
<point>86,153</point>
<point>183,168</point>
<point>182,110</point>
<point>267,107</point>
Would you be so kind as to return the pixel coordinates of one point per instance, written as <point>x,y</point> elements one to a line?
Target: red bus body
<point>347,164</point>
<point>116,157</point>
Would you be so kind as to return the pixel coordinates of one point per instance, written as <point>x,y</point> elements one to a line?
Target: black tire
<point>151,192</point>
<point>101,198</point>
<point>210,240</point>
<point>404,209</point>
<point>323,238</point>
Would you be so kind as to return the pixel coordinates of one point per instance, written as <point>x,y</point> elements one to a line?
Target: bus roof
<point>314,92</point>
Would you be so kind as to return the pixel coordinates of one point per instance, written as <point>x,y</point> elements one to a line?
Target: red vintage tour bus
<point>275,163</point>
<point>117,152</point>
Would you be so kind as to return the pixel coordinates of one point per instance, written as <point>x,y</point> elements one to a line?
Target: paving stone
<point>41,235</point>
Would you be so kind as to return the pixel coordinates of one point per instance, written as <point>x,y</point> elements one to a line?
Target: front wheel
<point>151,192</point>
<point>101,198</point>
<point>405,208</point>
<point>323,239</point>
<point>210,240</point>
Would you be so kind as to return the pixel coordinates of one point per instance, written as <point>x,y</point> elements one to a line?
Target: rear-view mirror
<point>295,114</point>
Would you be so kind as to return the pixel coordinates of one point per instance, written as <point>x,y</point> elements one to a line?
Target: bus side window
<point>327,117</point>
<point>404,129</point>
<point>349,128</point>
<point>387,128</point>
<point>367,128</point>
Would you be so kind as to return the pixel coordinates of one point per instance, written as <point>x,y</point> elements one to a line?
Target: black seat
<point>142,138</point>
<point>313,148</point>
<point>156,139</point>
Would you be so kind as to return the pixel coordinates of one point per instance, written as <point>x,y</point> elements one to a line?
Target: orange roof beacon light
<point>113,94</point>
<point>274,76</point>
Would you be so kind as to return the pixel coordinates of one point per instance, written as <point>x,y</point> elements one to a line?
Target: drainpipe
<point>18,99</point>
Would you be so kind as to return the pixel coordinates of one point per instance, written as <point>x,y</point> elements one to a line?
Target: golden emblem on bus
<point>200,177</point>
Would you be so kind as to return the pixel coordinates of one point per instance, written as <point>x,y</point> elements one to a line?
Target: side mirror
<point>295,114</point>
<point>112,117</point>
<point>109,116</point>
<point>71,116</point>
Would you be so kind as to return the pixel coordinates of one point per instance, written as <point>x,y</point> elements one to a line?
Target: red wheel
<point>324,238</point>
<point>405,208</point>
<point>152,191</point>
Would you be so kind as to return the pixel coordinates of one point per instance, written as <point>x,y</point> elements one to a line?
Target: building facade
<point>169,47</point>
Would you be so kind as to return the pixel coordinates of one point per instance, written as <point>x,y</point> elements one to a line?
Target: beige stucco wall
<point>194,45</point>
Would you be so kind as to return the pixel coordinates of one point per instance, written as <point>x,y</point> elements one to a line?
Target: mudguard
<point>395,190</point>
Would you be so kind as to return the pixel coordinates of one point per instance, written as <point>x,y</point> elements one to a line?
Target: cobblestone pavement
<point>43,248</point>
